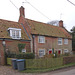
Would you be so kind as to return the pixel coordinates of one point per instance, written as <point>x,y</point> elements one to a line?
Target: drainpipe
<point>4,46</point>
<point>33,37</point>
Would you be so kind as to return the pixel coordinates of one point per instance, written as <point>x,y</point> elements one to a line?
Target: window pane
<point>41,53</point>
<point>17,34</point>
<point>41,39</point>
<point>66,51</point>
<point>59,41</point>
<point>65,41</point>
<point>13,33</point>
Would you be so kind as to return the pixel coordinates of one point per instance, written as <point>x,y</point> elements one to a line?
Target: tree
<point>73,38</point>
<point>54,22</point>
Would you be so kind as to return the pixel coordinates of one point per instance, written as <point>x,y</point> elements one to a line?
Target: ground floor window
<point>41,52</point>
<point>65,50</point>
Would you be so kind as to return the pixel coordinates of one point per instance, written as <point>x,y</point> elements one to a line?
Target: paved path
<point>7,70</point>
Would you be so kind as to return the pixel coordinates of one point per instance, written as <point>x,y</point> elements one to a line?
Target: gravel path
<point>7,70</point>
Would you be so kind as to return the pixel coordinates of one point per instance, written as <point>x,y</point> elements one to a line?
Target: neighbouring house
<point>46,38</point>
<point>12,34</point>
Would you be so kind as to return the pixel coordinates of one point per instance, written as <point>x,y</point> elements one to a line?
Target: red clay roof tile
<point>48,30</point>
<point>5,24</point>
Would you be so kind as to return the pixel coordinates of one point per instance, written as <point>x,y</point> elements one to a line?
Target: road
<point>69,71</point>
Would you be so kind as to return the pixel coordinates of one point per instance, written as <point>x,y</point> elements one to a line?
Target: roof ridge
<point>9,20</point>
<point>41,22</point>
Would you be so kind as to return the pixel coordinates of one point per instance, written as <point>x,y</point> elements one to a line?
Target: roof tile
<point>5,24</point>
<point>47,29</point>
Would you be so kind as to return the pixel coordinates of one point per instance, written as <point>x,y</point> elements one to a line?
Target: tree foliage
<point>73,38</point>
<point>54,22</point>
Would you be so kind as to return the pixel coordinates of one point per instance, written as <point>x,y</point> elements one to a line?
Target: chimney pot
<point>22,11</point>
<point>60,23</point>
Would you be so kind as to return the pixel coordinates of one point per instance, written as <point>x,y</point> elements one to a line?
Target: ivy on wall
<point>21,46</point>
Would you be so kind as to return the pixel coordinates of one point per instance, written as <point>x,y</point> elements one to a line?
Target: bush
<point>66,54</point>
<point>11,55</point>
<point>21,55</point>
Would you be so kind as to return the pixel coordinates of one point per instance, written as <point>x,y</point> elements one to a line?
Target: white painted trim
<point>60,40</point>
<point>14,29</point>
<point>39,38</point>
<point>66,51</point>
<point>44,52</point>
<point>65,41</point>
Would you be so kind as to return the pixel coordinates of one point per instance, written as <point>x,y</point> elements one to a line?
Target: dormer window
<point>15,33</point>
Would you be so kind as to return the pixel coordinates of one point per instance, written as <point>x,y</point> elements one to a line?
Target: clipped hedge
<point>41,63</point>
<point>21,55</point>
<point>25,56</point>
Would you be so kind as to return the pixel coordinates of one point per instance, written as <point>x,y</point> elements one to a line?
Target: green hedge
<point>21,55</point>
<point>44,63</point>
<point>41,63</point>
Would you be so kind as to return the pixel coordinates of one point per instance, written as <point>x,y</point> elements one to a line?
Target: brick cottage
<point>45,38</point>
<point>12,33</point>
<point>40,38</point>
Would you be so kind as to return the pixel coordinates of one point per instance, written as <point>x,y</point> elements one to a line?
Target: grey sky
<point>51,8</point>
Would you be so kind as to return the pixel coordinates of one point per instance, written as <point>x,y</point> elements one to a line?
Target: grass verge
<point>47,70</point>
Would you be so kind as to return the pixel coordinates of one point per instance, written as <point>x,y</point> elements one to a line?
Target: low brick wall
<point>67,60</point>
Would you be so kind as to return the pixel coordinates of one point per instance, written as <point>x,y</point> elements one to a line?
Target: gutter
<point>14,39</point>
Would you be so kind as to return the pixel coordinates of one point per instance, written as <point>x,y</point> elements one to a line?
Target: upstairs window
<point>41,39</point>
<point>65,41</point>
<point>15,33</point>
<point>59,41</point>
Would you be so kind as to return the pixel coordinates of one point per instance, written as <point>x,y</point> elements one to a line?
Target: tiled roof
<point>5,24</point>
<point>47,29</point>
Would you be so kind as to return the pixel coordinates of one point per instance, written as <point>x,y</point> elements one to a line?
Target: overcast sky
<point>50,8</point>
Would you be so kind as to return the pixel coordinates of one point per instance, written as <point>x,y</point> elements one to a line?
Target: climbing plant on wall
<point>21,46</point>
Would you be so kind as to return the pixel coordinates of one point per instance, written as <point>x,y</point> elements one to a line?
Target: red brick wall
<point>12,46</point>
<point>23,21</point>
<point>50,43</point>
<point>69,59</point>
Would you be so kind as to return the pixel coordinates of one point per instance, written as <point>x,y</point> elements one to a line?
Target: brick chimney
<point>60,23</point>
<point>22,11</point>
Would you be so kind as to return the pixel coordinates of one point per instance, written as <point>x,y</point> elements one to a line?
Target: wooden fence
<point>41,63</point>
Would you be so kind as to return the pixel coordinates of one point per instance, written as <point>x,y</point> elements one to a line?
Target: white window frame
<point>41,39</point>
<point>65,41</point>
<point>60,40</point>
<point>15,33</point>
<point>23,50</point>
<point>66,51</point>
<point>42,52</point>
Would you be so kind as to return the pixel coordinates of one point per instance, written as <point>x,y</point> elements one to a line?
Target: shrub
<point>11,55</point>
<point>66,54</point>
<point>21,55</point>
<point>21,46</point>
<point>25,56</point>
